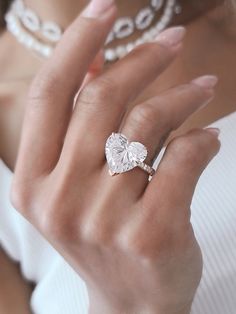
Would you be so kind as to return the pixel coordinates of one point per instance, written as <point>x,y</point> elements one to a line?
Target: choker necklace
<point>25,25</point>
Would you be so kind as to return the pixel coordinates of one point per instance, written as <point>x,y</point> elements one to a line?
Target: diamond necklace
<point>24,23</point>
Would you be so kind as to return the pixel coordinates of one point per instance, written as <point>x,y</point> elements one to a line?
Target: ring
<point>122,156</point>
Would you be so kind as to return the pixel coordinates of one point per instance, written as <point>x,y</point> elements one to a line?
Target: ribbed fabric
<point>59,290</point>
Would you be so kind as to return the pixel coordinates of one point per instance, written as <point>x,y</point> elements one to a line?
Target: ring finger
<point>152,121</point>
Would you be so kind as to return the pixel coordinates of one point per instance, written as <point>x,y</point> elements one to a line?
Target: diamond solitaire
<point>123,156</point>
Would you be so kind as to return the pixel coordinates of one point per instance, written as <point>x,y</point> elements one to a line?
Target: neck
<point>63,12</point>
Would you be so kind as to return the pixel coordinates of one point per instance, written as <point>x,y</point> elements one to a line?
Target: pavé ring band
<point>123,156</point>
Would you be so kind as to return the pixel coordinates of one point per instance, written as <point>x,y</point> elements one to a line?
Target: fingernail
<point>214,131</point>
<point>206,81</point>
<point>97,7</point>
<point>172,36</point>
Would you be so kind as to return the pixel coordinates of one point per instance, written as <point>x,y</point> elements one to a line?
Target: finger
<point>183,162</point>
<point>151,122</point>
<point>102,103</point>
<point>95,69</point>
<point>52,93</point>
<point>164,208</point>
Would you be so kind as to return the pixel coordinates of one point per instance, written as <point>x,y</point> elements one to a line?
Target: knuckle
<point>43,87</point>
<point>145,250</point>
<point>130,242</point>
<point>95,232</point>
<point>20,197</point>
<point>145,114</point>
<point>186,150</point>
<point>99,91</point>
<point>57,222</point>
<point>40,87</point>
<point>56,225</point>
<point>137,247</point>
<point>199,149</point>
<point>57,217</point>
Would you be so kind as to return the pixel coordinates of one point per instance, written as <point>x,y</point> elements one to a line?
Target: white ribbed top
<point>59,290</point>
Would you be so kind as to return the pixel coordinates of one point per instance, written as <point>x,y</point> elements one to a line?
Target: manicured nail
<point>214,131</point>
<point>171,36</point>
<point>97,7</point>
<point>206,81</point>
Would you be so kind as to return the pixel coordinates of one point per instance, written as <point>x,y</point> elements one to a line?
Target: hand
<point>130,240</point>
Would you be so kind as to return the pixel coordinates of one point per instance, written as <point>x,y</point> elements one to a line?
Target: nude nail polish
<point>97,7</point>
<point>171,36</point>
<point>214,131</point>
<point>206,81</point>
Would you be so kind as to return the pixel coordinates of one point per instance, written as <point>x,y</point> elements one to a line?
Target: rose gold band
<point>151,171</point>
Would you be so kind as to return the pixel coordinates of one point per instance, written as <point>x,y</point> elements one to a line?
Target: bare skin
<point>11,111</point>
<point>13,287</point>
<point>200,33</point>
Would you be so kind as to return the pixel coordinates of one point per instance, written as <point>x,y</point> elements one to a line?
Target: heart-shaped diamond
<point>123,156</point>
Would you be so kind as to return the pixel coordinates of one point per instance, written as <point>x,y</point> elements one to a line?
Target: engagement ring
<point>123,156</point>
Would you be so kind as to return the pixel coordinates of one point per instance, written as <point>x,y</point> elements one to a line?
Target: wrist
<point>111,305</point>
<point>97,308</point>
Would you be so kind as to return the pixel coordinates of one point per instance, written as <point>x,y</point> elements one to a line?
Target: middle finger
<point>102,103</point>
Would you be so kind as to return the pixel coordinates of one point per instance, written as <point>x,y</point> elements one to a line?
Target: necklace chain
<point>120,51</point>
<point>31,21</point>
<point>26,38</point>
<point>23,23</point>
<point>125,26</point>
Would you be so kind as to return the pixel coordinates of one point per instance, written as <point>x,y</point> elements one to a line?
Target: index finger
<point>53,90</point>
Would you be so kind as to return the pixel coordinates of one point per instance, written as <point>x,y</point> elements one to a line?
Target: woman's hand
<point>130,240</point>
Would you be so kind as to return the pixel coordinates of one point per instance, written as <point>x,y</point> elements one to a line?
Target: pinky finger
<point>183,162</point>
